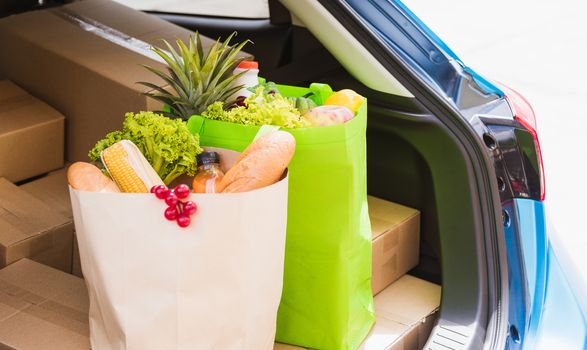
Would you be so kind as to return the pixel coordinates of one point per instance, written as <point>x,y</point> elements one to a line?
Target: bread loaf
<point>261,164</point>
<point>87,177</point>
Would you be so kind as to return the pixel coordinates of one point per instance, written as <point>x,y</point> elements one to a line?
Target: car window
<point>219,8</point>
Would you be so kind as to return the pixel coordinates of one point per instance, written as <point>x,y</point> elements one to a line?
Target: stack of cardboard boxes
<point>71,77</point>
<point>31,143</point>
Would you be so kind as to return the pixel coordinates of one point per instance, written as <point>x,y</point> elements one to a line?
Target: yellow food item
<point>128,168</point>
<point>346,98</point>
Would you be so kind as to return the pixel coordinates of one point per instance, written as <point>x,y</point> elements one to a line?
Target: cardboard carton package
<point>396,237</point>
<point>53,191</point>
<point>31,229</point>
<point>45,309</point>
<point>84,59</point>
<point>42,308</point>
<point>405,314</point>
<point>31,134</point>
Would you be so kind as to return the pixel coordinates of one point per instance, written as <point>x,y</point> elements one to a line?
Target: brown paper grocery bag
<point>154,285</point>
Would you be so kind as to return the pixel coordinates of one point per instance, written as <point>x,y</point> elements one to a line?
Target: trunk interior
<point>400,135</point>
<point>412,158</point>
<point>408,150</point>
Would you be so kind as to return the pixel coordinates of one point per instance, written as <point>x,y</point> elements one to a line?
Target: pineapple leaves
<point>196,77</point>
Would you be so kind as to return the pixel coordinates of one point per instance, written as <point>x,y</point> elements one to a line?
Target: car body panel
<point>395,24</point>
<point>562,323</point>
<point>544,311</point>
<point>487,85</point>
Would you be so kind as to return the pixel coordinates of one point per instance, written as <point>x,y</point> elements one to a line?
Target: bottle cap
<point>208,158</point>
<point>248,65</point>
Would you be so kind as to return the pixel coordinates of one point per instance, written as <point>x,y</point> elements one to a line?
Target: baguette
<point>87,177</point>
<point>261,164</point>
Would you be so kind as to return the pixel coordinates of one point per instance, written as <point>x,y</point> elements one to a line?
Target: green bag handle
<point>321,92</point>
<point>196,124</point>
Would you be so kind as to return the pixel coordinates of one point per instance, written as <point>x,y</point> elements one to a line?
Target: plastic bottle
<point>249,79</point>
<point>209,173</point>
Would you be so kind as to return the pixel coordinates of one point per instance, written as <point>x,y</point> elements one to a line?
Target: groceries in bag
<point>87,177</point>
<point>222,272</point>
<point>212,77</point>
<point>128,168</point>
<point>261,108</point>
<point>209,173</point>
<point>328,115</point>
<point>166,144</point>
<point>346,98</point>
<point>327,300</point>
<point>261,163</point>
<point>178,209</point>
<point>248,79</point>
<point>230,92</point>
<point>121,227</point>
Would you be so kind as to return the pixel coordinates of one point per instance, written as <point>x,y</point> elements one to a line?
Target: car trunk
<point>412,158</point>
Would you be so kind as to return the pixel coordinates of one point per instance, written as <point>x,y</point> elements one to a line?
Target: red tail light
<point>524,114</point>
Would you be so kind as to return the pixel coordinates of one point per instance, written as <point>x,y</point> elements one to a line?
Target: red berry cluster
<point>177,210</point>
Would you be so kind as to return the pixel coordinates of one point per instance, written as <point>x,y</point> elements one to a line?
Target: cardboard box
<point>42,309</point>
<point>396,241</point>
<point>53,191</point>
<point>31,229</point>
<point>31,134</point>
<point>84,59</point>
<point>406,312</point>
<point>405,315</point>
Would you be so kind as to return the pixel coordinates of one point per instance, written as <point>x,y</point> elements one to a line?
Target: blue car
<point>441,138</point>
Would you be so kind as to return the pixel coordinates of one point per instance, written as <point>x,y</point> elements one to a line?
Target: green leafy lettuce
<point>260,109</point>
<point>166,143</point>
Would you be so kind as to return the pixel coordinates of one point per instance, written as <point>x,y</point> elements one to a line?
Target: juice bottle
<point>209,173</point>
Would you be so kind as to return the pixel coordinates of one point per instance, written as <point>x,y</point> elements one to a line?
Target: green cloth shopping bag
<point>326,302</point>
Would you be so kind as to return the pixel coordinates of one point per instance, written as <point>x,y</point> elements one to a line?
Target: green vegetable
<point>260,109</point>
<point>301,103</point>
<point>269,87</point>
<point>166,143</point>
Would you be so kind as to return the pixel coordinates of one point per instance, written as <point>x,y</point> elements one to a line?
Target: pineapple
<point>196,78</point>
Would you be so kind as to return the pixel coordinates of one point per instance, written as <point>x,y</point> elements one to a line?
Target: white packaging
<point>249,79</point>
<point>153,285</point>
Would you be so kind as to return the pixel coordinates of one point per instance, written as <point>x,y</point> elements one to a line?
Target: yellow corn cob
<point>116,160</point>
